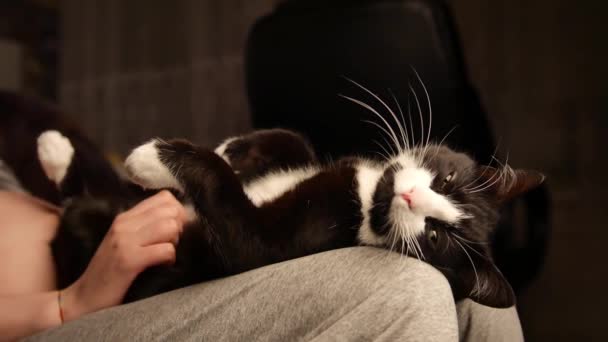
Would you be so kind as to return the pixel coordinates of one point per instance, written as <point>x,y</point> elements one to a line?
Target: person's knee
<point>425,285</point>
<point>405,278</point>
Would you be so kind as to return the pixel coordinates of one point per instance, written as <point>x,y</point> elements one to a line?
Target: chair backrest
<point>299,56</point>
<point>296,61</point>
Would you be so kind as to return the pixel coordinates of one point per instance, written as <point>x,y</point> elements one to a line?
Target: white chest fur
<point>367,179</point>
<point>275,184</point>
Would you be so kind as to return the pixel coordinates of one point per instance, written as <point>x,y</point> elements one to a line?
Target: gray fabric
<point>481,323</point>
<point>353,294</point>
<point>8,181</point>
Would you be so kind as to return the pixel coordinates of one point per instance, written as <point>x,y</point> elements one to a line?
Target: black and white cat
<point>263,198</point>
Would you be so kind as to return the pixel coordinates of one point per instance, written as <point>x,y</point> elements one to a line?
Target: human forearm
<point>27,314</point>
<point>141,237</point>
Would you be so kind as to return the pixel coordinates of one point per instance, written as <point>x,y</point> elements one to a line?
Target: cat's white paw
<point>146,169</point>
<point>55,153</point>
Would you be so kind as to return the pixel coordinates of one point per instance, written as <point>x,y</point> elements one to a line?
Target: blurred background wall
<point>130,70</point>
<point>541,70</point>
<point>176,63</point>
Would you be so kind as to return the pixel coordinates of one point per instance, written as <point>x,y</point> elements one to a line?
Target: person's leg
<point>361,293</point>
<point>481,323</point>
<point>348,294</point>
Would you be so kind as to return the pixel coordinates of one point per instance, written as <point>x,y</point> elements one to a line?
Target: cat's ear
<point>487,286</point>
<point>507,184</point>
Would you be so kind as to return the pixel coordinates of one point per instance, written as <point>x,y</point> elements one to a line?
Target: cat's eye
<point>449,177</point>
<point>432,235</point>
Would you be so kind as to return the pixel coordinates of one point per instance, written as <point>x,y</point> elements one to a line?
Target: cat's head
<point>440,206</point>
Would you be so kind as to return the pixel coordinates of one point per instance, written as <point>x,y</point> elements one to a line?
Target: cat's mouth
<point>403,202</point>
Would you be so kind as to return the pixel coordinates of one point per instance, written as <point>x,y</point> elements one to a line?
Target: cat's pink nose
<point>407,196</point>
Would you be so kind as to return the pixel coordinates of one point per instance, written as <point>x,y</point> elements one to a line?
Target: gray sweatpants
<point>352,294</point>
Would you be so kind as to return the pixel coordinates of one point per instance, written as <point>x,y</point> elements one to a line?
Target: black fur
<point>261,151</point>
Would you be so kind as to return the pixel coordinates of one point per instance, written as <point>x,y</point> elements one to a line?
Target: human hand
<point>144,236</point>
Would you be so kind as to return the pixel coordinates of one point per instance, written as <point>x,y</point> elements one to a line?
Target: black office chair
<point>303,55</point>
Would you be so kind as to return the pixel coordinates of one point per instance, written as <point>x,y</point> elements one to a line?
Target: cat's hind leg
<point>77,167</point>
<point>55,153</point>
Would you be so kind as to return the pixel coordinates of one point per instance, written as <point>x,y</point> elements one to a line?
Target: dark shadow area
<point>522,80</point>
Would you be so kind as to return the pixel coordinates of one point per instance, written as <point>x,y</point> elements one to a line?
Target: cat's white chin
<point>407,222</point>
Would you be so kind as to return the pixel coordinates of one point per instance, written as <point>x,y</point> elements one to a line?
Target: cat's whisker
<point>412,240</point>
<point>394,167</point>
<point>391,146</point>
<point>394,236</point>
<point>409,244</point>
<point>391,247</point>
<point>477,285</point>
<point>448,245</point>
<point>417,244</point>
<point>399,233</point>
<point>398,122</point>
<point>428,136</point>
<point>405,132</point>
<point>465,188</point>
<point>405,247</point>
<point>420,116</point>
<point>416,248</point>
<point>383,103</point>
<point>409,114</point>
<point>475,188</point>
<point>419,248</point>
<point>443,139</point>
<point>469,241</point>
<point>382,156</point>
<point>368,107</point>
<point>498,178</point>
<point>468,190</point>
<point>504,173</point>
<point>507,171</point>
<point>483,173</point>
<point>428,97</point>
<point>385,131</point>
<point>501,176</point>
<point>446,136</point>
<point>404,243</point>
<point>387,154</point>
<point>469,247</point>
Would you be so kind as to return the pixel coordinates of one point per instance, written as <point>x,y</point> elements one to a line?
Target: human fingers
<point>157,254</point>
<point>164,230</point>
<point>164,197</point>
<point>153,215</point>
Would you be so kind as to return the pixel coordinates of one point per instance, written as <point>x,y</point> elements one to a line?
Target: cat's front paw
<point>145,167</point>
<point>55,153</point>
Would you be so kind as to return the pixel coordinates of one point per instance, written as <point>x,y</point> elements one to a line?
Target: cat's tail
<point>77,167</point>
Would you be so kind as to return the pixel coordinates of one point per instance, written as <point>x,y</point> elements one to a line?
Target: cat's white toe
<point>55,153</point>
<point>146,169</point>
